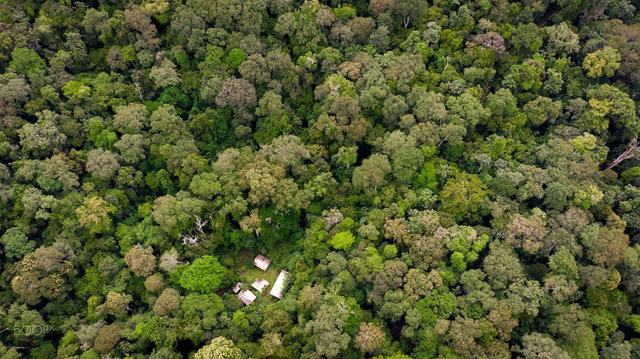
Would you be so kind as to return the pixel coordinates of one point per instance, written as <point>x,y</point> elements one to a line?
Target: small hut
<point>278,287</point>
<point>260,284</point>
<point>237,287</point>
<point>262,262</point>
<point>246,297</point>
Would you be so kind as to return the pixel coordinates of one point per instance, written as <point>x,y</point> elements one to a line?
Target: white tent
<point>260,284</point>
<point>278,286</point>
<point>262,262</point>
<point>246,297</point>
<point>237,287</point>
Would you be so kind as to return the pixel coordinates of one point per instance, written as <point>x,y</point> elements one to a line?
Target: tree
<point>617,350</point>
<point>562,40</point>
<point>609,105</point>
<point>57,173</point>
<point>377,7</point>
<point>116,304</point>
<point>169,260</point>
<point>536,345</point>
<point>371,174</point>
<point>168,302</point>
<point>491,40</point>
<point>405,163</point>
<point>527,76</point>
<point>405,9</point>
<point>76,49</point>
<point>393,108</point>
<point>132,148</point>
<point>240,95</point>
<point>388,278</point>
<point>131,118</point>
<point>502,266</point>
<point>504,108</point>
<point>102,164</point>
<point>15,91</point>
<point>94,213</point>
<point>16,244</point>
<point>23,324</point>
<point>563,262</point>
<point>605,245</point>
<point>342,240</point>
<point>468,109</point>
<point>254,69</point>
<point>205,185</point>
<point>439,304</point>
<point>527,38</point>
<point>380,38</point>
<point>288,152</point>
<point>176,214</point>
<point>107,338</point>
<point>303,31</point>
<point>142,29</point>
<point>541,110</point>
<point>25,61</point>
<point>276,119</point>
<point>167,127</point>
<point>405,68</point>
<point>428,106</point>
<point>219,348</point>
<point>576,336</point>
<point>603,62</point>
<point>310,297</point>
<point>527,233</point>
<point>235,57</point>
<point>326,330</point>
<point>43,274</point>
<point>204,275</point>
<point>276,320</point>
<point>155,282</point>
<point>464,196</point>
<point>141,260</point>
<point>43,137</point>
<point>36,204</point>
<point>346,156</point>
<point>370,338</point>
<point>620,36</point>
<point>468,338</point>
<point>96,22</point>
<point>165,74</point>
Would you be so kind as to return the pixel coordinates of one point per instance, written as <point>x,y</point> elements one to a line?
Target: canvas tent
<point>237,287</point>
<point>246,297</point>
<point>260,284</point>
<point>278,287</point>
<point>262,262</point>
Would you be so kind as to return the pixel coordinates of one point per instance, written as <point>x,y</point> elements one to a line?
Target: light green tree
<point>342,240</point>
<point>204,275</point>
<point>219,348</point>
<point>603,62</point>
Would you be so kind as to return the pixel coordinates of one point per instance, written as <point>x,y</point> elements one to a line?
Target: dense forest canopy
<point>440,179</point>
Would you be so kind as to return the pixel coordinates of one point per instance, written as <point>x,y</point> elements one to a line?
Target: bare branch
<point>200,224</point>
<point>189,239</point>
<point>630,152</point>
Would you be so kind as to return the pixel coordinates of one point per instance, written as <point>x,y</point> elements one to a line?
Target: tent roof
<point>262,262</point>
<point>247,297</point>
<point>278,286</point>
